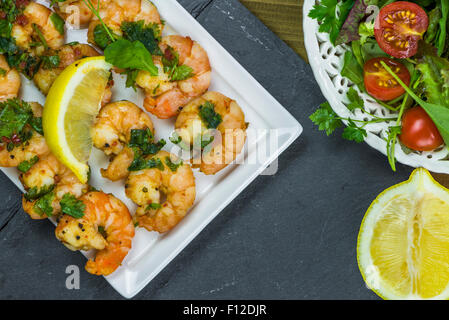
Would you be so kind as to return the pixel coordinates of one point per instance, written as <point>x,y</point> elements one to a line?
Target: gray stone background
<point>288,236</point>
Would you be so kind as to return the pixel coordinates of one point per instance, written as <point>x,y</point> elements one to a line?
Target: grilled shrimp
<point>35,146</point>
<point>112,133</point>
<point>47,176</point>
<point>9,81</point>
<point>67,54</point>
<point>115,12</point>
<point>164,96</point>
<point>38,29</point>
<point>106,226</point>
<point>171,180</point>
<point>220,119</point>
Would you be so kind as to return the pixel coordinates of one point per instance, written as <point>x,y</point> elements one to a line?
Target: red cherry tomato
<point>418,131</point>
<point>398,28</point>
<point>379,83</point>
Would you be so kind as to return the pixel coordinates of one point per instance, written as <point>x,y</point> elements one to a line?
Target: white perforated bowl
<point>326,62</point>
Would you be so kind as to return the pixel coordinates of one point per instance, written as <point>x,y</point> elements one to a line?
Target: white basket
<point>326,62</point>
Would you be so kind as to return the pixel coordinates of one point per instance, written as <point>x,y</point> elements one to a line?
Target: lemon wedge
<point>403,244</point>
<point>70,110</point>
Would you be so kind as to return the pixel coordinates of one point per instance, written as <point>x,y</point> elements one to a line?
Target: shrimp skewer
<point>9,81</point>
<point>106,226</point>
<point>171,180</point>
<point>165,97</point>
<point>230,130</point>
<point>112,133</point>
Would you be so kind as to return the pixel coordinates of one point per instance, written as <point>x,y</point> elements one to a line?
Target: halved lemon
<point>403,244</point>
<point>70,110</point>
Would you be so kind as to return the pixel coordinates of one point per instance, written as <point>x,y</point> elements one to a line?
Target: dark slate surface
<point>292,235</point>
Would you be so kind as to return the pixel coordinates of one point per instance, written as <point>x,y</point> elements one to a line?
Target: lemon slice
<point>70,109</point>
<point>403,244</point>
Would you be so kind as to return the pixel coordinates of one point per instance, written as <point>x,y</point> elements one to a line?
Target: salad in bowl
<point>393,54</point>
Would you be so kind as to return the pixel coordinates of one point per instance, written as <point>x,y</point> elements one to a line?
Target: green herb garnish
<point>153,206</point>
<point>44,205</point>
<point>36,193</point>
<point>25,166</point>
<point>171,165</point>
<point>71,206</point>
<point>208,115</point>
<point>149,35</point>
<point>140,163</point>
<point>58,22</point>
<point>50,62</point>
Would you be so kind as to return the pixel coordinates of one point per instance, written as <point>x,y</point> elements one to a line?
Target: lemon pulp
<point>403,247</point>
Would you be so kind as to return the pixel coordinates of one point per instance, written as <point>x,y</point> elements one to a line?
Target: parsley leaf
<point>101,37</point>
<point>153,206</point>
<point>326,119</point>
<point>71,206</point>
<point>209,116</point>
<point>43,205</point>
<point>171,165</point>
<point>354,133</point>
<point>130,55</point>
<point>148,34</point>
<point>331,14</point>
<point>36,193</point>
<point>143,140</point>
<point>58,22</point>
<point>141,163</point>
<point>170,61</point>
<point>50,62</point>
<point>25,166</point>
<point>14,115</point>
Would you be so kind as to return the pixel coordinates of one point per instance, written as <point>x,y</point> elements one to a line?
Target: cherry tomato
<point>418,131</point>
<point>379,83</point>
<point>398,28</point>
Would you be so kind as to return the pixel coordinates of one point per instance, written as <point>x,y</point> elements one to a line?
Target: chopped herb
<point>71,206</point>
<point>43,205</point>
<point>141,163</point>
<point>50,62</point>
<point>14,116</point>
<point>36,193</point>
<point>153,206</point>
<point>170,61</point>
<point>171,165</point>
<point>102,231</point>
<point>131,76</point>
<point>25,166</point>
<point>101,37</point>
<point>209,116</point>
<point>3,72</point>
<point>40,35</point>
<point>142,139</point>
<point>148,34</point>
<point>58,22</point>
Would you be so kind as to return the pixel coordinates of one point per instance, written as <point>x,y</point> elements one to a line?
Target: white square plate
<point>272,129</point>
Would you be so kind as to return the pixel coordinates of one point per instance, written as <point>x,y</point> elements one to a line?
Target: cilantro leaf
<point>354,133</point>
<point>71,206</point>
<point>43,205</point>
<point>182,73</point>
<point>209,116</point>
<point>130,55</point>
<point>326,119</point>
<point>170,61</point>
<point>25,166</point>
